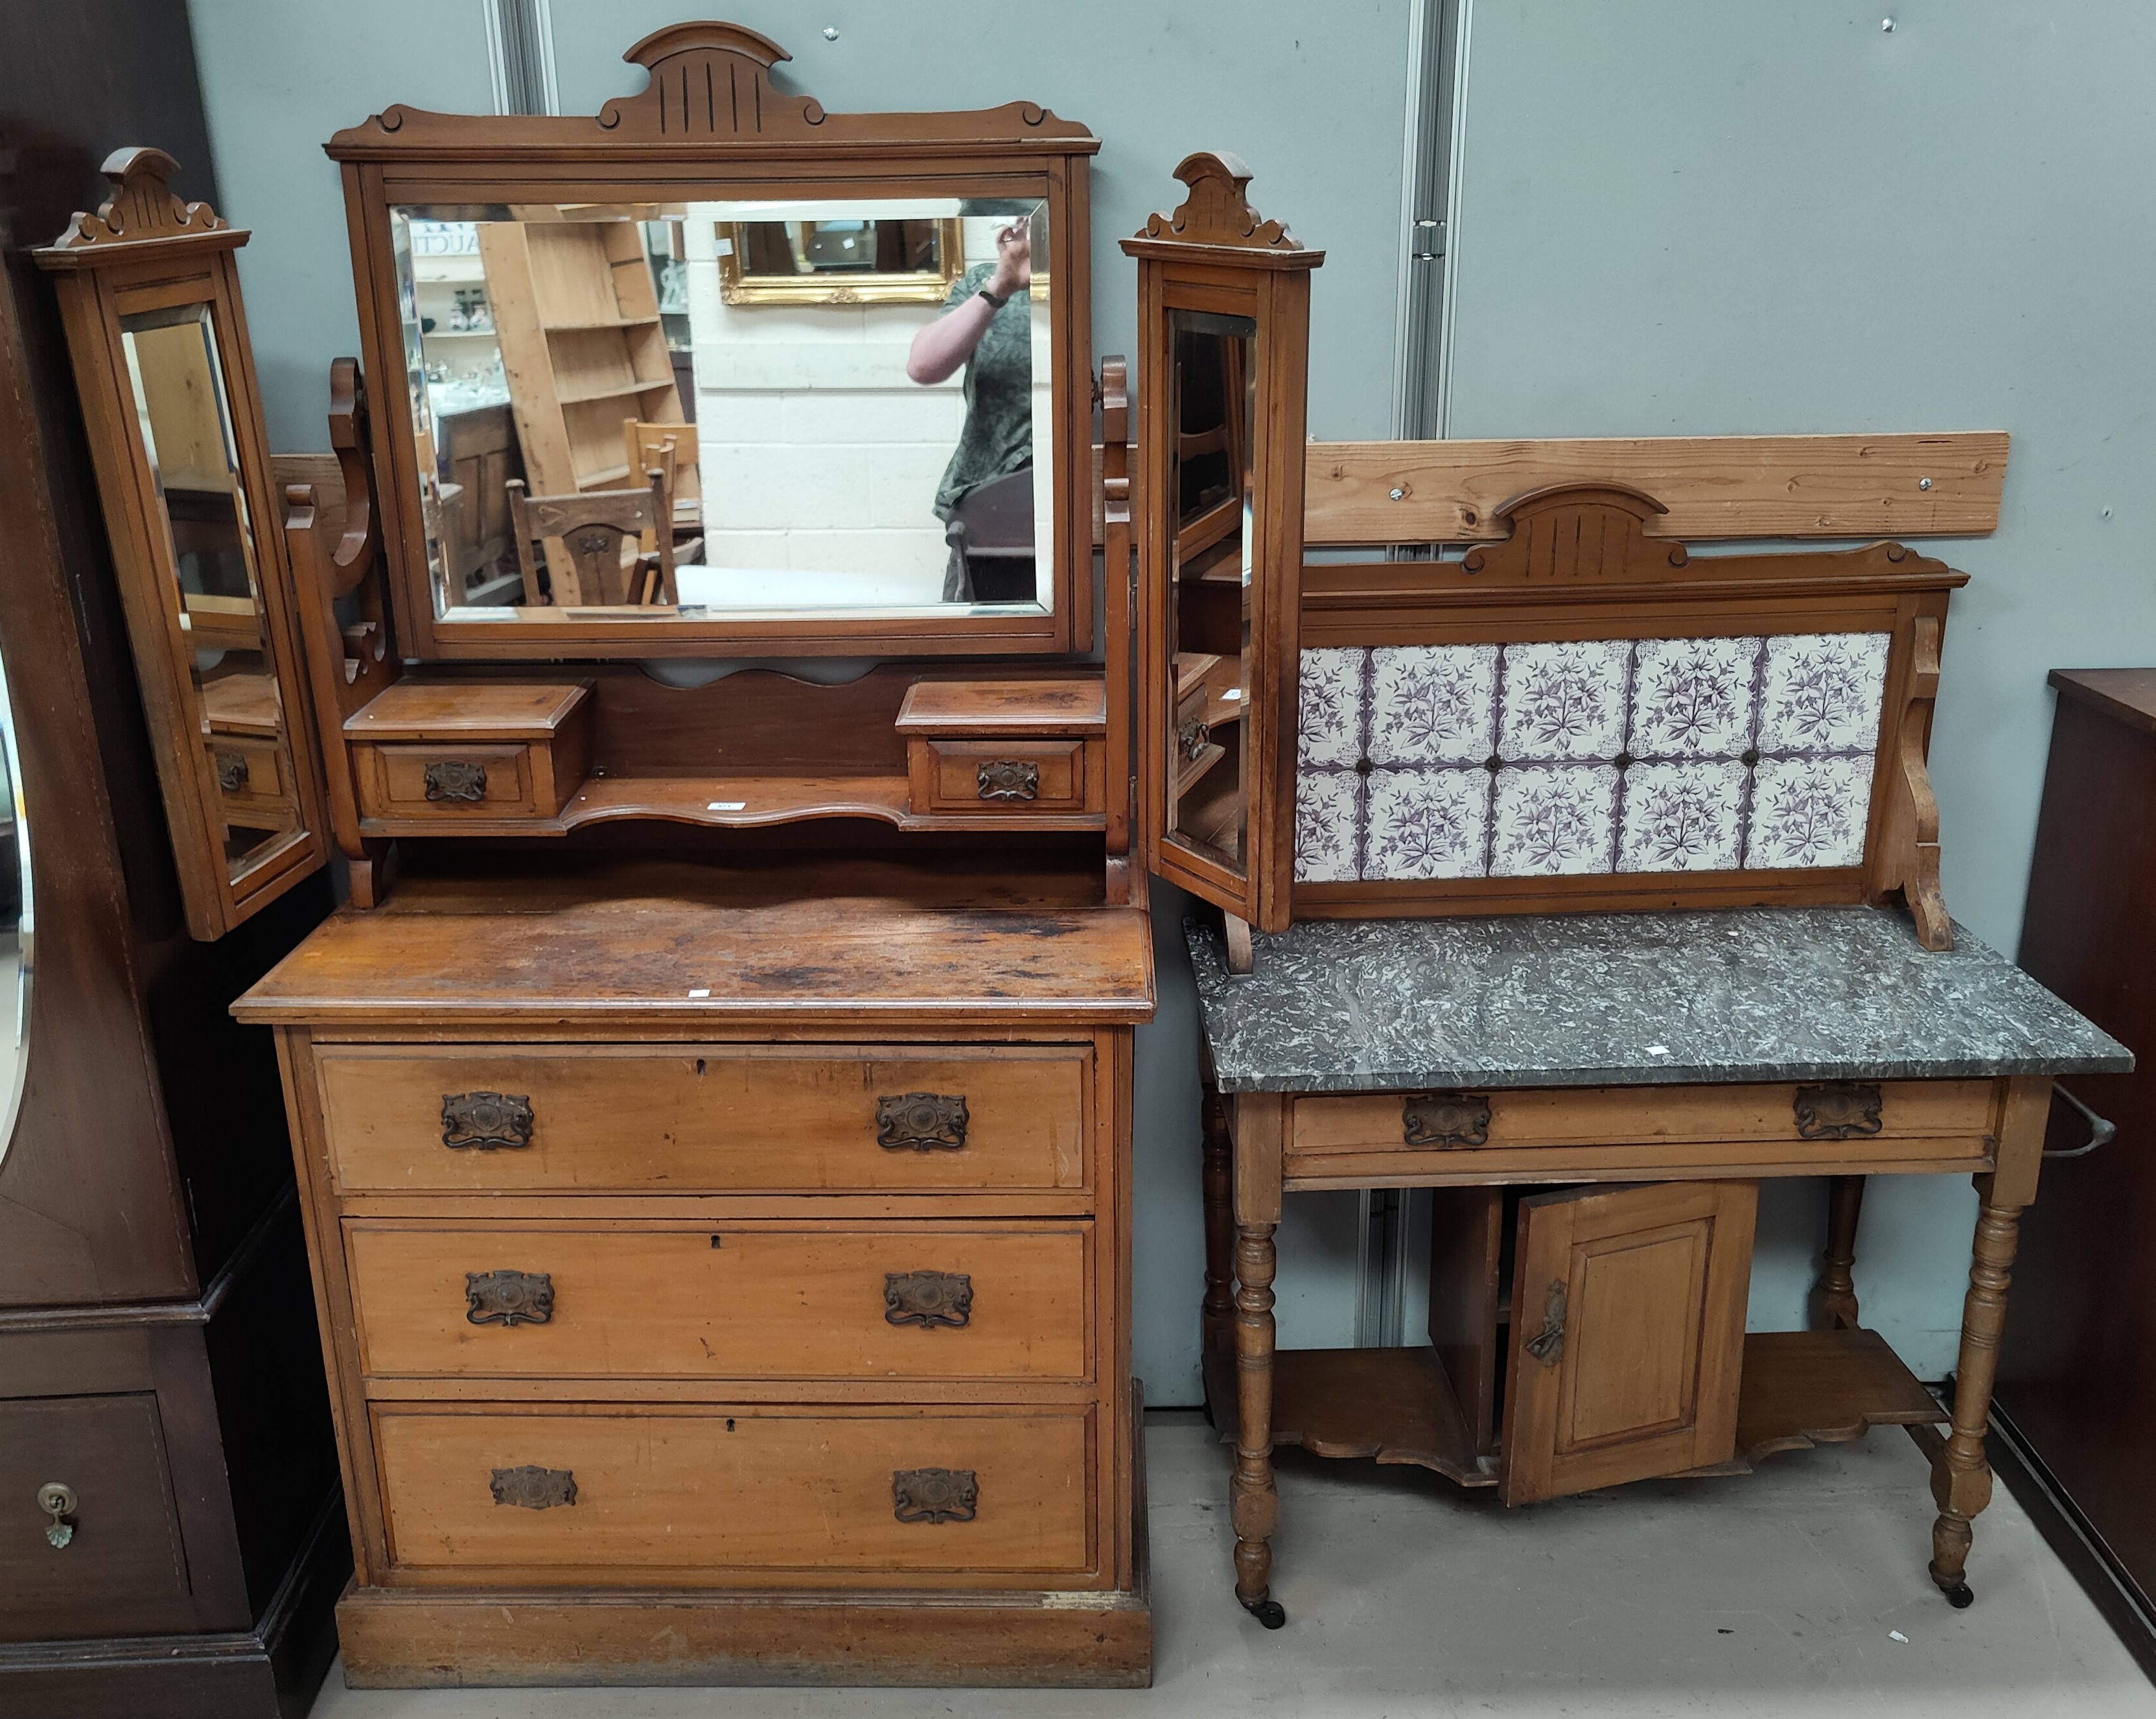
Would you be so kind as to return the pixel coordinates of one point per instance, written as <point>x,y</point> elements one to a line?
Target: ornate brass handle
<point>58,1501</point>
<point>487,1120</point>
<point>921,1122</point>
<point>533,1487</point>
<point>1445,1119</point>
<point>1009,779</point>
<point>508,1298</point>
<point>456,778</point>
<point>231,771</point>
<point>1193,738</point>
<point>928,1299</point>
<point>934,1494</point>
<point>1844,1110</point>
<point>1548,1345</point>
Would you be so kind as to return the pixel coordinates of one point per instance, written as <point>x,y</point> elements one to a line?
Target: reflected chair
<point>670,447</point>
<point>600,533</point>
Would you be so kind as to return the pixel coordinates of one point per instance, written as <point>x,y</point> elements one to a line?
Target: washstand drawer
<point>491,781</point>
<point>728,1119</point>
<point>882,1301</point>
<point>731,1497</point>
<point>253,781</point>
<point>445,752</point>
<point>993,775</point>
<point>1558,1128</point>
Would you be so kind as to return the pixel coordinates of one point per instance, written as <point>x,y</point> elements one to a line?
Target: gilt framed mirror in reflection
<point>150,296</point>
<point>717,372</point>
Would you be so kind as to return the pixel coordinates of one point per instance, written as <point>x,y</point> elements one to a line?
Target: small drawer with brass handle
<point>733,1495</point>
<point>433,782</point>
<point>431,752</point>
<point>1013,777</point>
<point>950,1119</point>
<point>764,1298</point>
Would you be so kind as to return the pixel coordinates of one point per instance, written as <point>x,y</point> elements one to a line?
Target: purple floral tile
<point>1329,716</point>
<point>1809,811</point>
<point>1554,819</point>
<point>1683,817</point>
<point>1433,703</point>
<point>1822,692</point>
<point>1327,808</point>
<point>1692,697</point>
<point>1563,701</point>
<point>1428,823</point>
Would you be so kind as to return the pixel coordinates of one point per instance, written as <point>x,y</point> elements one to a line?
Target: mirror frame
<point>711,121</point>
<point>145,249</point>
<point>1217,254</point>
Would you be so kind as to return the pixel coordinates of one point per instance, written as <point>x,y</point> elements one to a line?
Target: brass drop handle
<point>934,1494</point>
<point>1009,779</point>
<point>921,1122</point>
<point>928,1299</point>
<point>487,1120</point>
<point>232,771</point>
<point>1548,1345</point>
<point>58,1501</point>
<point>455,779</point>
<point>508,1298</point>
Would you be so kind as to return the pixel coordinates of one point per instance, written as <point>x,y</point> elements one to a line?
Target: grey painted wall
<point>1697,218</point>
<point>1313,105</point>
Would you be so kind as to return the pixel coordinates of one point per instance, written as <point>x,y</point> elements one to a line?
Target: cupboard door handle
<point>934,1494</point>
<point>1841,1111</point>
<point>1445,1119</point>
<point>533,1487</point>
<point>921,1122</point>
<point>1009,779</point>
<point>928,1299</point>
<point>508,1298</point>
<point>487,1120</point>
<point>456,778</point>
<point>1548,1345</point>
<point>58,1501</point>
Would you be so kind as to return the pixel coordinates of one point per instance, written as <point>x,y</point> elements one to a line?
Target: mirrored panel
<point>728,409</point>
<point>184,416</point>
<point>1213,394</point>
<point>15,926</point>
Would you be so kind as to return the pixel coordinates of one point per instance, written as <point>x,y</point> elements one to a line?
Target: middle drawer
<point>732,1301</point>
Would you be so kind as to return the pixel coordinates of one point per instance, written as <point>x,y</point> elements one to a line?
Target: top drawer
<point>690,1119</point>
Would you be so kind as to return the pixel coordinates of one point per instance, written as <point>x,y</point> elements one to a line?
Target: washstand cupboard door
<point>1627,1323</point>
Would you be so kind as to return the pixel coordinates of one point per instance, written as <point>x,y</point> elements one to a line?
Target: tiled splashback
<point>1426,761</point>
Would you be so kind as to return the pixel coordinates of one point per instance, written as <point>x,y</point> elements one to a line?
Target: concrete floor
<point>1770,1596</point>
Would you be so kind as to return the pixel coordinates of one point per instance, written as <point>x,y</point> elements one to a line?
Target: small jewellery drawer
<point>445,752</point>
<point>734,1301</point>
<point>730,1497</point>
<point>1034,775</point>
<point>1558,1131</point>
<point>706,1119</point>
<point>448,782</point>
<point>254,782</point>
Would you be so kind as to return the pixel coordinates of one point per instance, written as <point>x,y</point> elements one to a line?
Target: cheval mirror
<point>720,373</point>
<point>149,292</point>
<point>1224,329</point>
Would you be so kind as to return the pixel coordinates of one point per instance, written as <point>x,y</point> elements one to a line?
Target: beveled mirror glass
<point>150,299</point>
<point>820,437</point>
<point>16,924</point>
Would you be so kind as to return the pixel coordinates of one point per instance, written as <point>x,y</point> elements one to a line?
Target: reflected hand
<point>1014,269</point>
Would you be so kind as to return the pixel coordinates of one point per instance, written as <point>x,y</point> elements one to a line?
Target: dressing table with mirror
<point>1582,880</point>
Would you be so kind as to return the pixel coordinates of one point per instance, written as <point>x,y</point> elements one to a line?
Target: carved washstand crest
<point>142,205</point>
<point>1217,211</point>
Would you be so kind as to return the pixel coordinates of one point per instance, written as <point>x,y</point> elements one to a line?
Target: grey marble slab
<point>1628,999</point>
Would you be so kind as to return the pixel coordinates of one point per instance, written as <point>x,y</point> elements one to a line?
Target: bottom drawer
<point>712,1498</point>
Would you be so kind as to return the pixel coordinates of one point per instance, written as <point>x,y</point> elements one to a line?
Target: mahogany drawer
<point>891,1301</point>
<point>1551,1131</point>
<point>728,1119</point>
<point>255,784</point>
<point>495,780</point>
<point>608,1495</point>
<point>445,752</point>
<point>998,775</point>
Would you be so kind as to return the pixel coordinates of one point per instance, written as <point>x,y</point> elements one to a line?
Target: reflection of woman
<point>985,326</point>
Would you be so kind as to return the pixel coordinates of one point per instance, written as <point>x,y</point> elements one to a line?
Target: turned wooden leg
<point>1961,1478</point>
<point>1217,1315</point>
<point>1834,1299</point>
<point>1254,1503</point>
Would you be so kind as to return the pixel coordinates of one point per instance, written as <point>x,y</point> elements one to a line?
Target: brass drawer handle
<point>1009,779</point>
<point>456,778</point>
<point>534,1489</point>
<point>928,1299</point>
<point>1843,1111</point>
<point>1548,1345</point>
<point>1445,1119</point>
<point>232,771</point>
<point>1193,738</point>
<point>58,1501</point>
<point>508,1298</point>
<point>487,1120</point>
<point>934,1494</point>
<point>921,1122</point>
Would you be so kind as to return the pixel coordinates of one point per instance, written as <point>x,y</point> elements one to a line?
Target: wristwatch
<point>998,303</point>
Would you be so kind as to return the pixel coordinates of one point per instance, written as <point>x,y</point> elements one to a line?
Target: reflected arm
<point>941,349</point>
